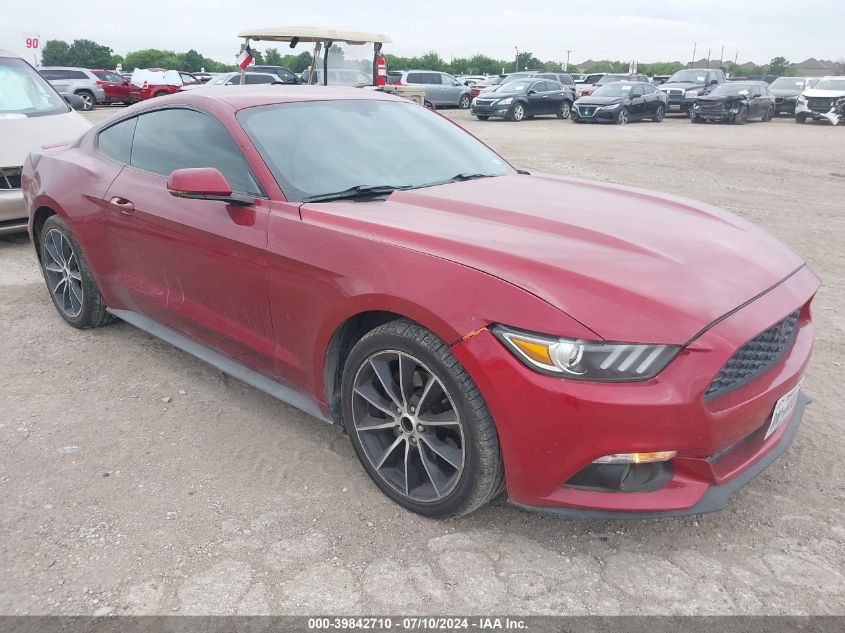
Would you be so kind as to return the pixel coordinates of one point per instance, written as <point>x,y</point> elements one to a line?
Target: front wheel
<point>418,422</point>
<point>565,110</point>
<point>801,117</point>
<point>482,117</point>
<point>741,117</point>
<point>622,117</point>
<point>464,103</point>
<point>696,119</point>
<point>69,279</point>
<point>659,114</point>
<point>517,112</point>
<point>770,114</point>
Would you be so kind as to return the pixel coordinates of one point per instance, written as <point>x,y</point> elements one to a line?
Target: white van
<point>32,114</point>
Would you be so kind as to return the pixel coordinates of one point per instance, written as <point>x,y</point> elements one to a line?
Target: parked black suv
<point>686,86</point>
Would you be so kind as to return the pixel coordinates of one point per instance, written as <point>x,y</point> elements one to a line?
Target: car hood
<point>631,265</point>
<point>723,97</point>
<point>591,100</point>
<point>813,92</point>
<point>681,85</point>
<point>22,135</point>
<point>785,92</point>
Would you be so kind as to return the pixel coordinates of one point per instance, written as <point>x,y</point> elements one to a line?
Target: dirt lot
<point>138,479</point>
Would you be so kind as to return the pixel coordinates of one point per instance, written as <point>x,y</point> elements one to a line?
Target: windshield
<point>349,65</point>
<point>322,147</point>
<point>609,79</point>
<point>23,91</point>
<point>219,80</point>
<point>830,84</point>
<point>689,76</point>
<point>518,85</point>
<point>614,90</point>
<point>735,89</point>
<point>788,83</point>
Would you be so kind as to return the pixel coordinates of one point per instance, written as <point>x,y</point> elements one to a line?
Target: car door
<point>557,93</point>
<point>537,99</point>
<point>197,266</point>
<point>652,99</point>
<point>115,86</point>
<point>638,107</point>
<point>452,89</point>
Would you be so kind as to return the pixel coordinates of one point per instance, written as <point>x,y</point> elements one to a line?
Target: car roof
<point>5,53</point>
<point>248,96</point>
<point>65,68</point>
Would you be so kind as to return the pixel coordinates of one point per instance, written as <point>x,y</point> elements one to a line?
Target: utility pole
<point>694,46</point>
<point>516,63</point>
<point>721,55</point>
<point>708,57</point>
<point>567,60</point>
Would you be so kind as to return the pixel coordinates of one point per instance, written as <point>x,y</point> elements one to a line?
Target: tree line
<point>90,54</point>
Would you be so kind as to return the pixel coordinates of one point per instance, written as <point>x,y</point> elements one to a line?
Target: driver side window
<point>178,138</point>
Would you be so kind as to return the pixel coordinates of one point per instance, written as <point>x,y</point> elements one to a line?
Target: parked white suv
<point>816,102</point>
<point>32,114</point>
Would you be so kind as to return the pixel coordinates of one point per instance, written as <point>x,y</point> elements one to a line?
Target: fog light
<point>636,458</point>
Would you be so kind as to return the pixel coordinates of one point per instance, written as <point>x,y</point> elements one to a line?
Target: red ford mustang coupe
<point>595,350</point>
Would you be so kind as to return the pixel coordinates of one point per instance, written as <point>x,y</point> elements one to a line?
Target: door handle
<point>122,204</point>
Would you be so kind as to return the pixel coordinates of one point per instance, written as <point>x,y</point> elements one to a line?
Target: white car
<point>234,79</point>
<point>816,102</point>
<point>32,115</point>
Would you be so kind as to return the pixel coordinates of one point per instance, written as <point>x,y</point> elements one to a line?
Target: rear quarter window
<point>415,78</point>
<point>115,142</point>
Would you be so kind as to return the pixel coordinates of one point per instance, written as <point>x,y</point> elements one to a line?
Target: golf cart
<point>339,57</point>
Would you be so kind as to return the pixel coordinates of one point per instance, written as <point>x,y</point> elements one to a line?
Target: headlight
<point>612,106</point>
<point>692,94</point>
<point>696,106</point>
<point>507,101</point>
<point>596,361</point>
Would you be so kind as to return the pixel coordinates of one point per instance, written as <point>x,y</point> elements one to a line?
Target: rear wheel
<point>517,112</point>
<point>659,114</point>
<point>481,117</point>
<point>801,117</point>
<point>88,101</point>
<point>464,103</point>
<point>418,422</point>
<point>161,93</point>
<point>69,280</point>
<point>565,110</point>
<point>770,114</point>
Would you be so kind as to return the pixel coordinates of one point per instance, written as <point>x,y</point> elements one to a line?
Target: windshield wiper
<point>458,178</point>
<point>358,191</point>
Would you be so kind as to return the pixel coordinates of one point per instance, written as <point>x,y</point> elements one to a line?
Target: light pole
<point>516,63</point>
<point>567,60</point>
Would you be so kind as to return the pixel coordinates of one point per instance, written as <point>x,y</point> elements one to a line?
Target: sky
<point>642,30</point>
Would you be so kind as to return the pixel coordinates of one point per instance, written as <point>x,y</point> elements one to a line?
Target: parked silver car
<point>76,81</point>
<point>441,89</point>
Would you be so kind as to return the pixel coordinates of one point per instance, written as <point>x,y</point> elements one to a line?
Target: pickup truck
<point>686,86</point>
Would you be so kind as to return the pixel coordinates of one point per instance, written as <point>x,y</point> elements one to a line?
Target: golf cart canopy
<point>295,34</point>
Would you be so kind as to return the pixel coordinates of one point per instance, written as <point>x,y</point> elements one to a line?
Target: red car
<point>114,85</point>
<point>483,85</point>
<point>158,82</point>
<point>594,349</point>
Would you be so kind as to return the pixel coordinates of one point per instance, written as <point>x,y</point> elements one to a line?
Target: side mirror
<point>74,101</point>
<point>532,92</point>
<point>205,183</point>
<point>713,82</point>
<point>756,95</point>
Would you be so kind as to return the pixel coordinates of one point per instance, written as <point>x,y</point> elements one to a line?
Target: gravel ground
<point>138,480</point>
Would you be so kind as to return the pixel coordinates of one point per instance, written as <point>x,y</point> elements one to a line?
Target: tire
<point>428,104</point>
<point>565,110</point>
<point>482,117</point>
<point>623,117</point>
<point>696,119</point>
<point>465,102</point>
<point>741,117</point>
<point>517,112</point>
<point>770,114</point>
<point>659,114</point>
<point>395,453</point>
<point>801,117</point>
<point>57,244</point>
<point>161,93</point>
<point>88,101</point>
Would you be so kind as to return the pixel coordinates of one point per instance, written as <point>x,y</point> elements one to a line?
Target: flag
<point>245,58</point>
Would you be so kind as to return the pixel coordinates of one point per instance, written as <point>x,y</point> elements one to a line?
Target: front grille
<point>10,177</point>
<point>676,93</point>
<point>712,106</point>
<point>586,110</point>
<point>754,358</point>
<point>484,102</point>
<point>820,104</point>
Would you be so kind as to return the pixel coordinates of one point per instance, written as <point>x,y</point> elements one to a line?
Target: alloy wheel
<point>64,277</point>
<point>408,426</point>
<point>661,112</point>
<point>87,101</point>
<point>622,117</point>
<point>565,110</point>
<point>464,103</point>
<point>518,112</point>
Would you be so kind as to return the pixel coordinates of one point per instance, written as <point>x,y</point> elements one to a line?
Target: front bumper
<point>551,429</point>
<point>13,215</point>
<point>816,115</point>
<point>490,110</point>
<point>594,114</point>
